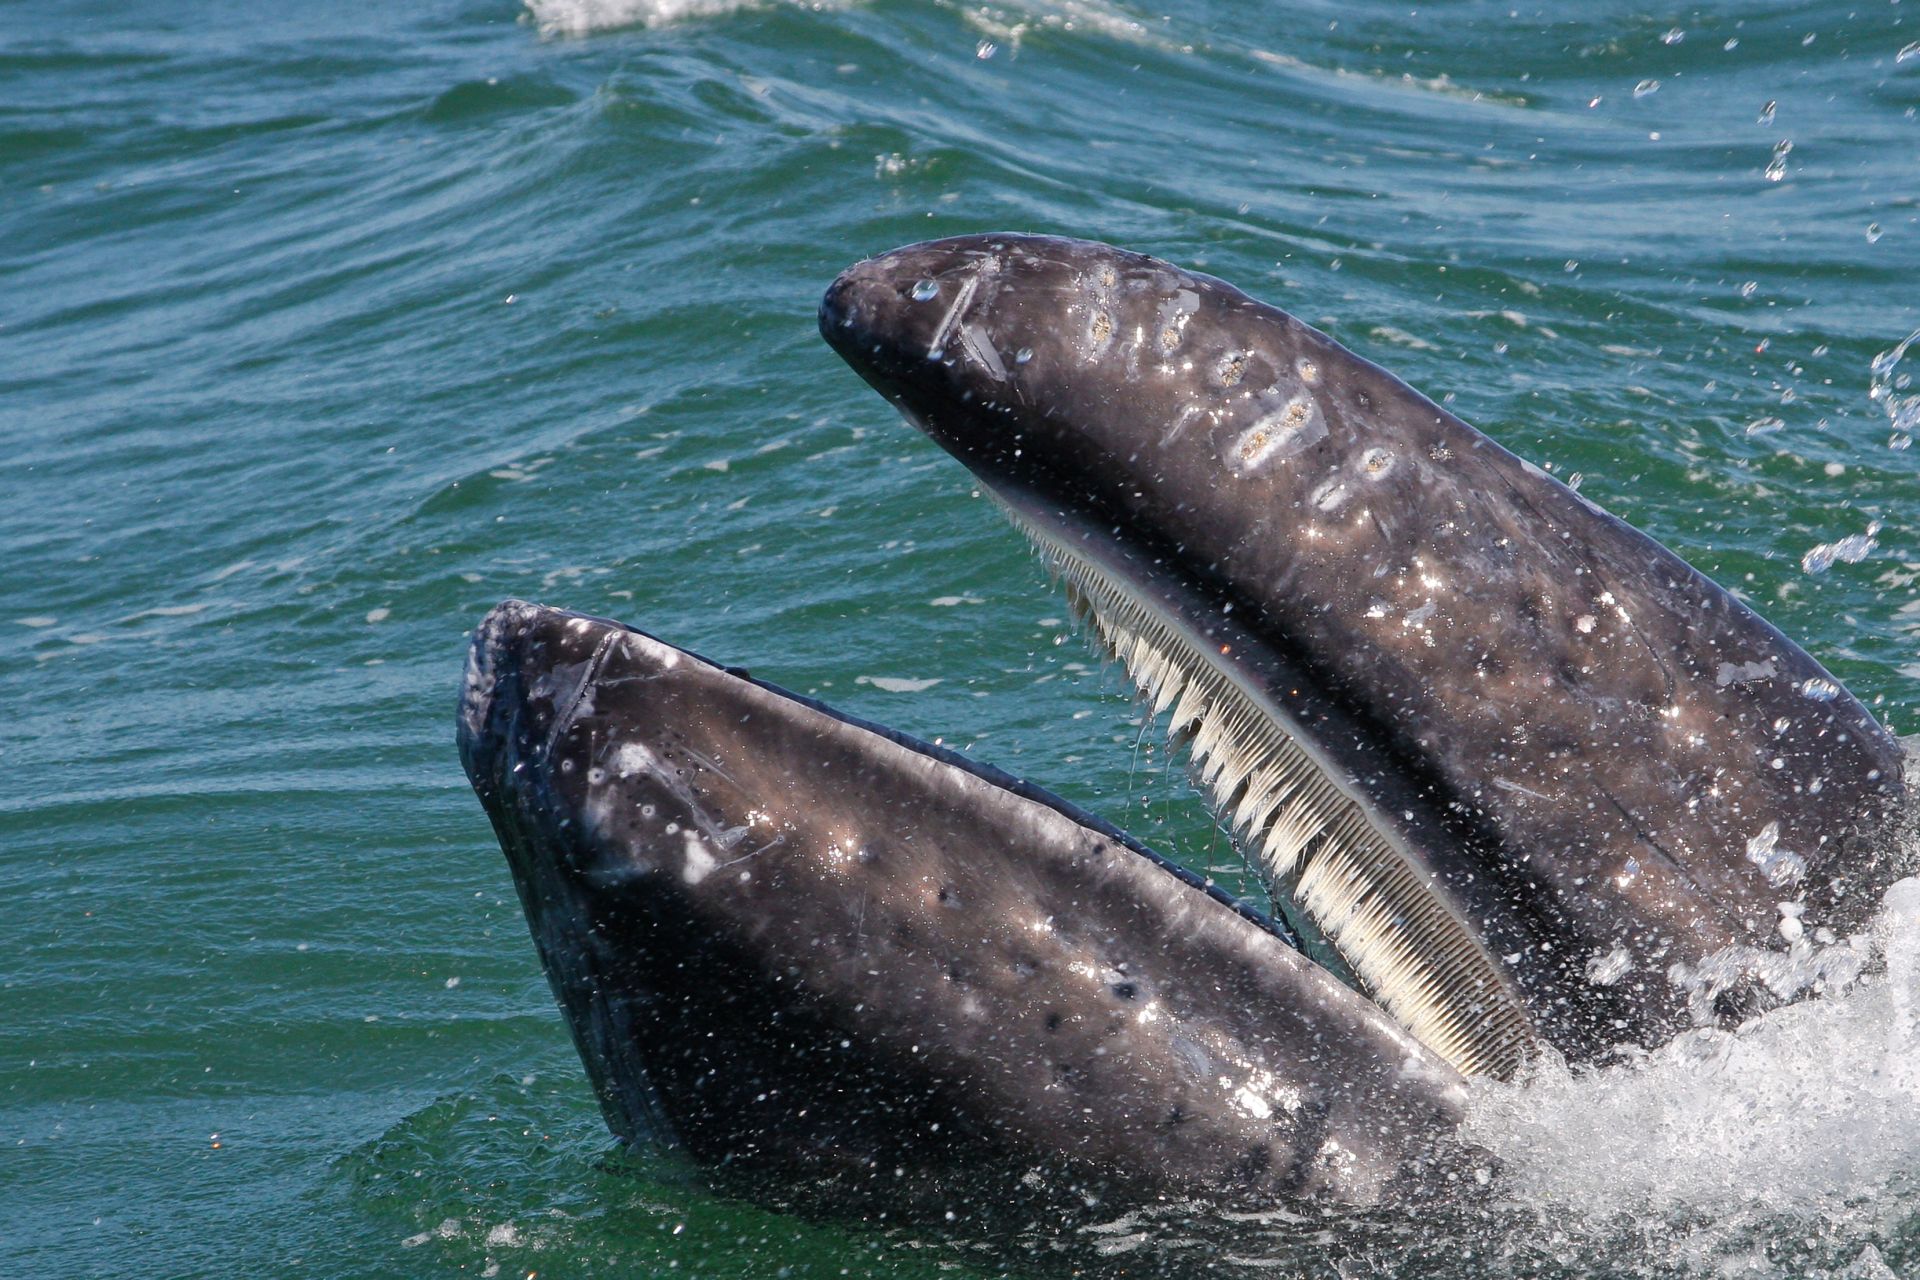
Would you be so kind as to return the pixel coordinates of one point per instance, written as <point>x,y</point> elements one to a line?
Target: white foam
<point>584,17</point>
<point>1812,1110</point>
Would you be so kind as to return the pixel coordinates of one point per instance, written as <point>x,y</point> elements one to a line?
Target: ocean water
<point>324,327</point>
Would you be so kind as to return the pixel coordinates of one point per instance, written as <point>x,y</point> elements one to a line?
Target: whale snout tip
<point>872,300</point>
<point>841,305</point>
<point>897,303</point>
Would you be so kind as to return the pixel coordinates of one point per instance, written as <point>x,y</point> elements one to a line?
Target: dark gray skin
<point>1605,732</point>
<point>796,943</point>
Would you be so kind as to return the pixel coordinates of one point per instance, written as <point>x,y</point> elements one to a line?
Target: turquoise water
<point>326,327</point>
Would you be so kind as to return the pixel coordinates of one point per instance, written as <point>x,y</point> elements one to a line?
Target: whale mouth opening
<point>1345,872</point>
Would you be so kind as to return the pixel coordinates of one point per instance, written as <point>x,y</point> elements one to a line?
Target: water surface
<point>326,327</point>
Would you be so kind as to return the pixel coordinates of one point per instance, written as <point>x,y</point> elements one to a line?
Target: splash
<point>1709,1146</point>
<point>1889,390</point>
<point>1853,548</point>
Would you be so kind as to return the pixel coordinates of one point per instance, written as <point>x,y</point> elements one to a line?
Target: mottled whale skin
<point>794,942</point>
<point>1597,763</point>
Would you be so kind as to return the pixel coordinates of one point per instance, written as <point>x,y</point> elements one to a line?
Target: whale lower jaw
<point>788,940</point>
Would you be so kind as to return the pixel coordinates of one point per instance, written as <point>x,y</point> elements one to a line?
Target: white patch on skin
<point>1330,496</point>
<point>1191,1057</point>
<point>700,863</point>
<point>950,322</point>
<point>647,649</point>
<point>974,341</point>
<point>635,757</point>
<point>1744,672</point>
<point>1280,434</point>
<point>597,810</point>
<point>1187,415</point>
<point>1508,784</point>
<point>1170,325</point>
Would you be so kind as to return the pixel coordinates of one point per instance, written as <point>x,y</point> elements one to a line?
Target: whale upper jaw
<point>788,940</point>
<point>1517,761</point>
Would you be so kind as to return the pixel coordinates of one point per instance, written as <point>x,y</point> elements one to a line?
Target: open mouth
<point>1512,771</point>
<point>1281,765</point>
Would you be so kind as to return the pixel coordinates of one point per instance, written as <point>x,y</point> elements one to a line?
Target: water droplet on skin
<point>1874,233</point>
<point>1646,87</point>
<point>1023,355</point>
<point>1766,112</point>
<point>925,289</point>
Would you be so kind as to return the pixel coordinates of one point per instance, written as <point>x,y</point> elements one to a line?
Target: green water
<point>323,328</point>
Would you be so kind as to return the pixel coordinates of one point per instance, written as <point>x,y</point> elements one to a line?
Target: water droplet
<point>1777,167</point>
<point>985,49</point>
<point>1808,39</point>
<point>1733,42</point>
<point>1646,87</point>
<point>1674,36</point>
<point>925,289</point>
<point>1874,233</point>
<point>1023,355</point>
<point>1908,52</point>
<point>1766,112</point>
<point>1888,380</point>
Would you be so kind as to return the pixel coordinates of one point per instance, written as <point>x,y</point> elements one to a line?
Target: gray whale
<point>1524,779</point>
